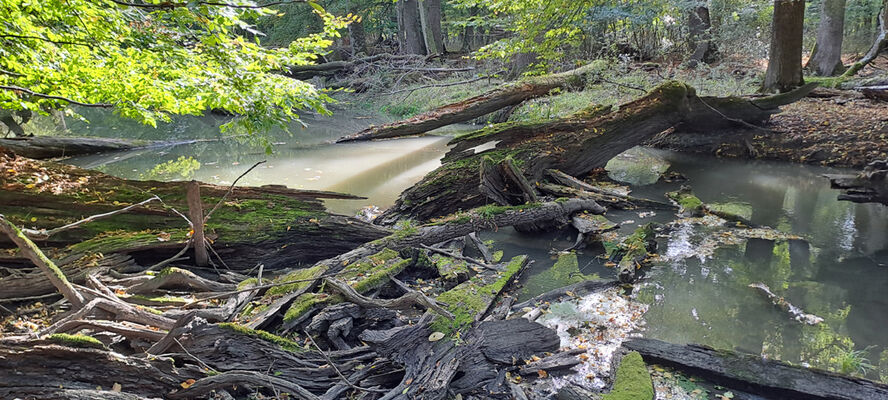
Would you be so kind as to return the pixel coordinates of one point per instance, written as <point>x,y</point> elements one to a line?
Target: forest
<point>443,199</point>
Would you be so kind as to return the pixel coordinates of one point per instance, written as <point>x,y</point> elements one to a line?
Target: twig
<point>174,258</point>
<point>623,85</point>
<point>459,257</point>
<point>44,234</point>
<point>230,189</point>
<point>209,246</point>
<point>171,5</point>
<point>202,364</point>
<point>406,301</point>
<point>338,372</point>
<point>739,121</point>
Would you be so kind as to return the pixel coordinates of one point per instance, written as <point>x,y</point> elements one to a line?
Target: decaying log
<point>796,313</point>
<point>41,147</point>
<point>754,374</point>
<point>869,186</point>
<point>577,289</point>
<point>34,369</point>
<point>230,379</point>
<point>576,144</point>
<point>179,278</point>
<point>874,92</point>
<point>305,72</point>
<point>407,301</point>
<point>573,187</point>
<point>466,110</point>
<point>52,273</point>
<point>432,367</point>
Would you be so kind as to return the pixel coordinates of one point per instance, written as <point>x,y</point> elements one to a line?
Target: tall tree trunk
<point>410,27</point>
<point>700,25</point>
<point>785,58</point>
<point>430,17</point>
<point>880,45</point>
<point>357,36</point>
<point>827,57</point>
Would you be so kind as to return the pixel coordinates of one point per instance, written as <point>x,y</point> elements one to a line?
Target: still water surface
<point>840,273</point>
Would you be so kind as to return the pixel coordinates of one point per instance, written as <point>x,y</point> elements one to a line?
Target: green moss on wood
<point>282,342</point>
<point>79,341</point>
<point>633,380</point>
<point>687,200</point>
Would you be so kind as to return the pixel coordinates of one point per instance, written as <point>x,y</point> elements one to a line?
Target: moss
<point>247,283</point>
<point>282,342</point>
<point>450,269</point>
<point>497,256</point>
<point>112,241</point>
<point>633,381</point>
<point>159,300</point>
<point>363,275</point>
<point>731,210</point>
<point>79,341</point>
<point>404,229</point>
<point>469,298</point>
<point>686,199</point>
<point>297,275</point>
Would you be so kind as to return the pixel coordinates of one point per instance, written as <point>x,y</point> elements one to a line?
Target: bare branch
<point>230,189</point>
<point>44,234</point>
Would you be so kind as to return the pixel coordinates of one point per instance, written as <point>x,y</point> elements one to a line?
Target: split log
<point>24,372</point>
<point>576,144</point>
<point>230,379</point>
<point>179,278</point>
<point>476,365</point>
<point>754,374</point>
<point>869,186</point>
<point>466,110</point>
<point>795,312</point>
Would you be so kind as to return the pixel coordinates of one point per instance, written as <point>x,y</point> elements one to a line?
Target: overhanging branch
<point>52,97</point>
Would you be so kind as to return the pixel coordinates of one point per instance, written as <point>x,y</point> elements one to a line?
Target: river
<point>694,293</point>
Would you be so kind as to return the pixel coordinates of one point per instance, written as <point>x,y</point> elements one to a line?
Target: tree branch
<point>170,5</point>
<point>52,97</point>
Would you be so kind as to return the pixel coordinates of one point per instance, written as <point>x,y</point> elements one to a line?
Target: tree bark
<point>430,18</point>
<point>827,57</point>
<point>879,45</point>
<point>785,57</point>
<point>700,25</point>
<point>466,110</point>
<point>753,374</point>
<point>410,28</point>
<point>196,215</point>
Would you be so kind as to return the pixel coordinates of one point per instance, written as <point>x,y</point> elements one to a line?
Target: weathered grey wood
<point>40,147</point>
<point>578,289</point>
<point>869,186</point>
<point>196,215</point>
<point>753,374</point>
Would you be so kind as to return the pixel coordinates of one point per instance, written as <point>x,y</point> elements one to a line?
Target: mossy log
<point>507,95</point>
<point>576,144</point>
<point>754,374</point>
<point>273,225</point>
<point>869,186</point>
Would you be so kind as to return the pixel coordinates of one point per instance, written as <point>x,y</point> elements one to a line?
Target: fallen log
<point>756,375</point>
<point>576,144</point>
<point>869,186</point>
<point>796,313</point>
<point>305,72</point>
<point>874,92</point>
<point>507,95</point>
<point>41,147</point>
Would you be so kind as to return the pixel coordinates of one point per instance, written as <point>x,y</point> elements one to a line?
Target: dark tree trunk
<point>410,35</point>
<point>827,57</point>
<point>785,57</point>
<point>700,25</point>
<point>430,18</point>
<point>357,37</point>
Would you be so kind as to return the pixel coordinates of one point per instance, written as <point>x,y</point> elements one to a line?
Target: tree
<point>879,45</point>
<point>699,26</point>
<point>410,37</point>
<point>149,59</point>
<point>785,57</point>
<point>430,17</point>
<point>826,59</point>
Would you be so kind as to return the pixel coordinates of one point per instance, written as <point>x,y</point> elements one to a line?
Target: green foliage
<point>155,60</point>
<point>181,168</point>
<point>852,362</point>
<point>283,342</point>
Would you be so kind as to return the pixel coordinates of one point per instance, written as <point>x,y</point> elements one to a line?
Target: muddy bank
<point>845,130</point>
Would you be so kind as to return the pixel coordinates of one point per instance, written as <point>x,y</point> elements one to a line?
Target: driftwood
<point>576,144</point>
<point>869,186</point>
<point>753,374</point>
<point>434,368</point>
<point>469,109</point>
<point>577,289</point>
<point>795,312</point>
<point>41,147</point>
